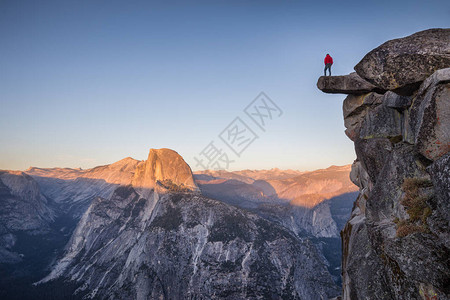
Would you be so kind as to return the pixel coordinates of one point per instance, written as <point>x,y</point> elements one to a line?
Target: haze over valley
<point>103,209</point>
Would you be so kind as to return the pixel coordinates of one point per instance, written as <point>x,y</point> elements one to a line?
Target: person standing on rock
<point>328,62</point>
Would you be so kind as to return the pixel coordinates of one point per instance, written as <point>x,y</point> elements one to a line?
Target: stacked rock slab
<point>396,243</point>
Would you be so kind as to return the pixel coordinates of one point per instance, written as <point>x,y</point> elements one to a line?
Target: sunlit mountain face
<point>312,204</point>
<point>305,189</point>
<point>153,228</point>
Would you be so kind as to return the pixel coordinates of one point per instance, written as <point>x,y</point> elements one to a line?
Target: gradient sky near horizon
<point>87,83</point>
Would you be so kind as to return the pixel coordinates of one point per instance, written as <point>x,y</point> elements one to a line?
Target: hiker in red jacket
<point>328,62</point>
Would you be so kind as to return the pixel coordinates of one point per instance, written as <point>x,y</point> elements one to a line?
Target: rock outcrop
<point>351,84</point>
<point>158,238</point>
<point>402,64</point>
<point>396,243</point>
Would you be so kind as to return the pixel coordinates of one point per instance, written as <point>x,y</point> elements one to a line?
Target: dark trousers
<point>327,66</point>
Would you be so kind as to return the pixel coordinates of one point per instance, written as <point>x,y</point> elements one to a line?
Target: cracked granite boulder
<point>402,64</point>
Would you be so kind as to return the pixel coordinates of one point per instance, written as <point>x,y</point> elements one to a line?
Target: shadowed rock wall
<point>397,112</point>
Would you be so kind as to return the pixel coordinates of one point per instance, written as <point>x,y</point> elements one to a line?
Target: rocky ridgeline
<point>159,238</point>
<point>397,112</point>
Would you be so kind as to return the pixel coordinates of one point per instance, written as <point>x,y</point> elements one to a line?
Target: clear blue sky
<point>85,83</point>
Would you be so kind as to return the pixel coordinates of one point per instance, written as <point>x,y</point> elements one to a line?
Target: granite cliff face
<point>159,238</point>
<point>396,243</point>
<point>39,210</point>
<point>163,167</point>
<point>23,210</point>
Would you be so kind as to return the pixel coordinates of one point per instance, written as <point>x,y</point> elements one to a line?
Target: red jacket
<point>328,60</point>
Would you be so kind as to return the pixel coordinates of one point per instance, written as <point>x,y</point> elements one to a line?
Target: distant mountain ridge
<point>159,238</point>
<point>313,204</point>
<point>119,172</point>
<point>296,189</point>
<point>249,176</point>
<point>74,189</point>
<point>92,210</point>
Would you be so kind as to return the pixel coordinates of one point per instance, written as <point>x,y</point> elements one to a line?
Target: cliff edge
<point>397,112</point>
